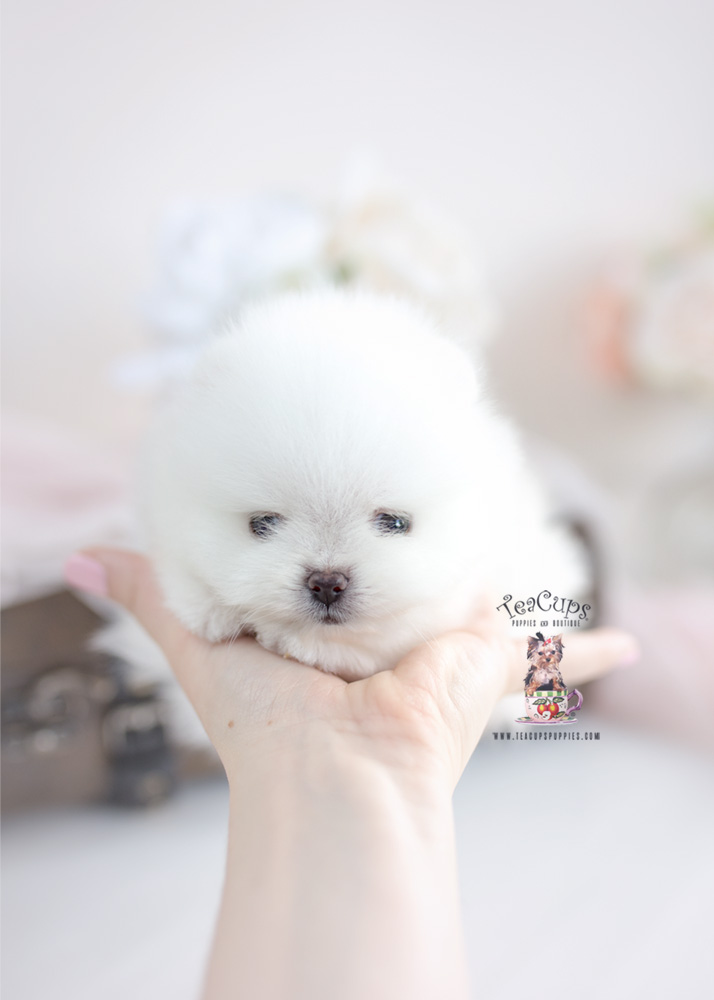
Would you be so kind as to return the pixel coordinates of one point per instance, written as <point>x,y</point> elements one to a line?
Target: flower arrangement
<point>215,258</point>
<point>652,316</point>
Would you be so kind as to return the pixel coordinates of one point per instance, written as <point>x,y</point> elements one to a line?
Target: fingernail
<point>86,574</point>
<point>630,657</point>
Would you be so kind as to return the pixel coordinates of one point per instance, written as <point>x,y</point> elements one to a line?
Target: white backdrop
<point>553,127</point>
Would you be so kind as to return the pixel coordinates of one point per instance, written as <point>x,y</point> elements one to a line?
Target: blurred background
<point>542,174</point>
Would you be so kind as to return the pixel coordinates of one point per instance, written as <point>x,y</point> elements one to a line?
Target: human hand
<point>425,716</point>
<point>341,869</point>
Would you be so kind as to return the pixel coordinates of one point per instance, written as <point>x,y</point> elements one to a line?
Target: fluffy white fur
<point>327,408</point>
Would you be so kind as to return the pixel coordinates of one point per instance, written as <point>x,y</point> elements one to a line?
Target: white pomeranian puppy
<point>333,481</point>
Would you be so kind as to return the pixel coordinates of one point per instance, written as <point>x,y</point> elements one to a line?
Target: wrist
<point>318,761</point>
<point>335,852</point>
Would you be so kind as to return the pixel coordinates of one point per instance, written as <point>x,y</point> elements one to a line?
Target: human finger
<point>128,578</point>
<point>587,656</point>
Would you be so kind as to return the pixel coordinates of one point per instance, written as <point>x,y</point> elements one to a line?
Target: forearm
<point>340,881</point>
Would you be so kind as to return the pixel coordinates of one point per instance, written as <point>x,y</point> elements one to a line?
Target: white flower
<point>389,241</point>
<point>673,337</point>
<point>216,257</point>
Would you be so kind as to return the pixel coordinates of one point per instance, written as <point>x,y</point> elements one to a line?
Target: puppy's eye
<point>391,524</point>
<point>263,525</point>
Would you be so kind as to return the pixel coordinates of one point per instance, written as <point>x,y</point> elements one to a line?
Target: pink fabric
<point>59,494</point>
<point>671,690</point>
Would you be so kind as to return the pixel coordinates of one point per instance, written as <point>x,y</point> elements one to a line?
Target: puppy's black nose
<point>327,587</point>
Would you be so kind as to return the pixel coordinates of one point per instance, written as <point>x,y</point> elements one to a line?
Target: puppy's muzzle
<point>326,588</point>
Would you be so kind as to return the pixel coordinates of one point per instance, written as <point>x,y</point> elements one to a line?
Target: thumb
<point>467,673</point>
<point>587,656</point>
<point>128,579</point>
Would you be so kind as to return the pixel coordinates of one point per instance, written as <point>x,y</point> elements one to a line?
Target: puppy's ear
<point>532,644</point>
<point>558,641</point>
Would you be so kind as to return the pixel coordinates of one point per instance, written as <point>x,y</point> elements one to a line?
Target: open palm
<point>428,713</point>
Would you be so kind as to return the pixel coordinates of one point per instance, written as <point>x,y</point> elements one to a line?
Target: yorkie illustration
<point>544,655</point>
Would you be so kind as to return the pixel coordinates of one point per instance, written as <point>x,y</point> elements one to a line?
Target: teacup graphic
<point>552,707</point>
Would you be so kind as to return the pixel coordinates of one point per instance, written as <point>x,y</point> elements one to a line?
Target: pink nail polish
<point>86,574</point>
